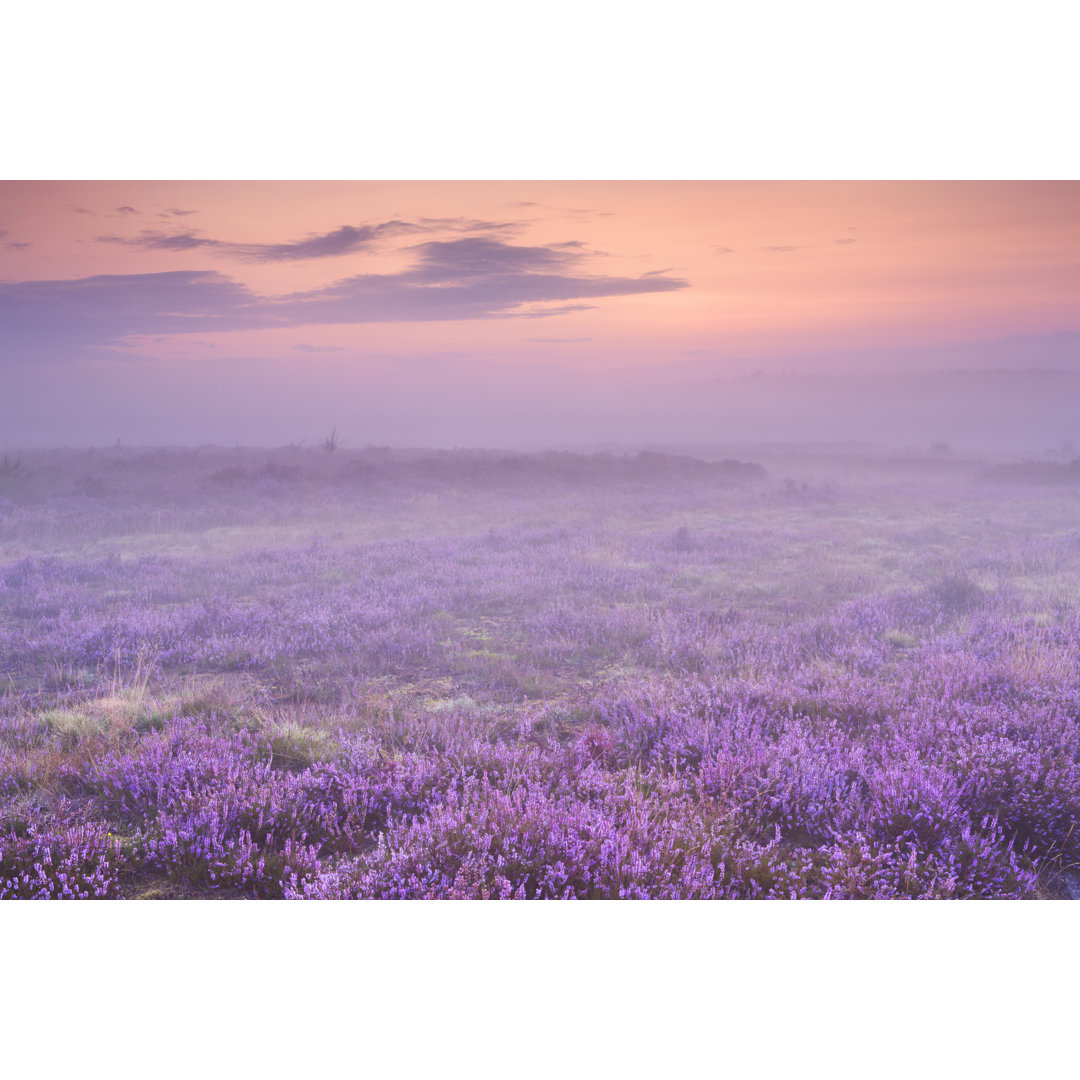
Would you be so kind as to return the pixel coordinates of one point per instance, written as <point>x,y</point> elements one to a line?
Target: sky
<point>538,313</point>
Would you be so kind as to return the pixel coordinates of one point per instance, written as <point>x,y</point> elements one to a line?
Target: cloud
<point>577,213</point>
<point>344,240</point>
<point>478,257</point>
<point>466,278</point>
<point>472,277</point>
<point>719,250</point>
<point>158,241</point>
<point>126,210</point>
<point>558,340</point>
<point>14,245</point>
<point>40,319</point>
<point>471,225</point>
<point>174,211</point>
<point>319,348</point>
<point>846,240</point>
<point>186,341</point>
<point>780,248</point>
<point>81,210</point>
<point>548,312</point>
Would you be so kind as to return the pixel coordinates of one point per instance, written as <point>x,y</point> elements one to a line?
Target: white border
<point>572,89</point>
<point>606,989</point>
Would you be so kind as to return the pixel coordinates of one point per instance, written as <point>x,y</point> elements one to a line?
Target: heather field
<point>391,674</point>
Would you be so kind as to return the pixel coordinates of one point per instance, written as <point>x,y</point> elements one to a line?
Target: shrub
<point>957,594</point>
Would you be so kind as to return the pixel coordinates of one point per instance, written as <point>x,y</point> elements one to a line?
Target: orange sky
<point>489,281</point>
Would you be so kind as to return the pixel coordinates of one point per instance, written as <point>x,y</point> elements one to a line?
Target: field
<point>374,673</point>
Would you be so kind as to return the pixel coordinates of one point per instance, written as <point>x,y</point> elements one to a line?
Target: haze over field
<point>482,674</point>
<point>535,314</point>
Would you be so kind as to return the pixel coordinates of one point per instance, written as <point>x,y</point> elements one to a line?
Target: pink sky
<point>262,307</point>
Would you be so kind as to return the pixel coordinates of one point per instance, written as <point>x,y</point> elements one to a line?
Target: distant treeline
<point>155,474</point>
<point>485,468</point>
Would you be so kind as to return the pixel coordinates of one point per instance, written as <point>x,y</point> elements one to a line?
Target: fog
<point>250,402</point>
<point>730,673</point>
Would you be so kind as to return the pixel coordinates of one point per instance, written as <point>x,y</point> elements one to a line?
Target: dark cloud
<point>47,319</point>
<point>81,210</point>
<point>468,278</point>
<point>477,256</point>
<point>126,210</point>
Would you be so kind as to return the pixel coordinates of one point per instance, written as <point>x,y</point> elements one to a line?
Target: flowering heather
<point>454,677</point>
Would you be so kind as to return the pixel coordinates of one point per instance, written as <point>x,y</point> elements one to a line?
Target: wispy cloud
<point>558,340</point>
<point>188,342</point>
<point>718,249</point>
<point>573,213</point>
<point>319,348</point>
<point>548,312</point>
<point>158,241</point>
<point>344,240</point>
<point>15,246</point>
<point>470,225</point>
